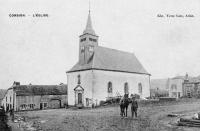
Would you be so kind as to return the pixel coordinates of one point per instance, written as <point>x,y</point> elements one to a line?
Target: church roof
<point>111,60</point>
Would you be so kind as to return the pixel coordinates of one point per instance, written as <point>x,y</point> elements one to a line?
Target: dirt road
<point>152,117</point>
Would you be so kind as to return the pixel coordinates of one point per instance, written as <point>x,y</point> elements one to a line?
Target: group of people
<point>124,103</point>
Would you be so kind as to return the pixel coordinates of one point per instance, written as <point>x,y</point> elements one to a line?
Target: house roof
<point>190,79</point>
<point>111,60</point>
<point>179,77</point>
<point>26,90</point>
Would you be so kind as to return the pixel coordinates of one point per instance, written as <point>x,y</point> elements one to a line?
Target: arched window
<point>109,87</point>
<point>126,89</point>
<point>173,87</point>
<point>140,88</point>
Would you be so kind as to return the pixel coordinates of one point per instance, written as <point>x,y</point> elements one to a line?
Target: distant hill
<point>2,93</point>
<point>160,84</point>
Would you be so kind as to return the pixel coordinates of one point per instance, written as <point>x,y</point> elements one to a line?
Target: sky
<point>40,50</point>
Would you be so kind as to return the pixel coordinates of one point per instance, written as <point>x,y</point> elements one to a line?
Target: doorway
<point>41,106</point>
<point>79,98</point>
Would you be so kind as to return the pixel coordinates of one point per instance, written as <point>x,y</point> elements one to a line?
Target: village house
<point>32,97</point>
<point>2,93</point>
<point>191,87</point>
<point>102,73</point>
<point>184,86</point>
<point>176,86</point>
<point>173,86</point>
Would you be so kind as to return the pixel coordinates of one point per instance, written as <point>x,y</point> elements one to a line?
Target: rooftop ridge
<point>122,51</point>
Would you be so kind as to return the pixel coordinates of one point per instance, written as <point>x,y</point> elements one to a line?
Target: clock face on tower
<point>91,48</point>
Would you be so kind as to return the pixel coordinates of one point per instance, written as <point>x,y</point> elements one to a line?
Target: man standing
<point>134,106</point>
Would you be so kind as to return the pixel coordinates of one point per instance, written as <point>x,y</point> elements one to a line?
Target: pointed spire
<point>89,28</point>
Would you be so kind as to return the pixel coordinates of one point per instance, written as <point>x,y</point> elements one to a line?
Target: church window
<point>109,87</point>
<point>79,79</point>
<point>126,89</point>
<point>140,88</point>
<point>84,39</point>
<point>94,40</point>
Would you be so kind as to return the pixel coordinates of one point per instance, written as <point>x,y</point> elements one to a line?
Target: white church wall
<point>86,84</point>
<point>118,79</point>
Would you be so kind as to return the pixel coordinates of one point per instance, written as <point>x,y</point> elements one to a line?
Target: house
<point>32,97</point>
<point>2,93</point>
<point>179,86</point>
<point>184,86</point>
<point>102,73</point>
<point>173,86</point>
<point>176,86</point>
<point>191,87</point>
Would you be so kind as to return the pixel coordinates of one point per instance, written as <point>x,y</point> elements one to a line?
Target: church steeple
<point>89,29</point>
<point>88,41</point>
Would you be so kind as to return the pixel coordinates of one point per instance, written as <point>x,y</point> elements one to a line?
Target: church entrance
<point>79,96</point>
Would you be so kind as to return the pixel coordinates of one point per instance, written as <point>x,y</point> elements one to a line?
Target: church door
<point>79,98</point>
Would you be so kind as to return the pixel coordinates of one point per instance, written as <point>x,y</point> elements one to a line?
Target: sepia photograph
<point>99,65</point>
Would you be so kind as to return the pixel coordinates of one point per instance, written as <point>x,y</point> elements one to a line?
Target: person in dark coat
<point>121,103</point>
<point>134,106</point>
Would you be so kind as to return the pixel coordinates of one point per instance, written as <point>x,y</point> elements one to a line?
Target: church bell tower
<point>87,42</point>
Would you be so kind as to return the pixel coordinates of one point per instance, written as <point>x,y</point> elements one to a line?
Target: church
<point>102,73</point>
